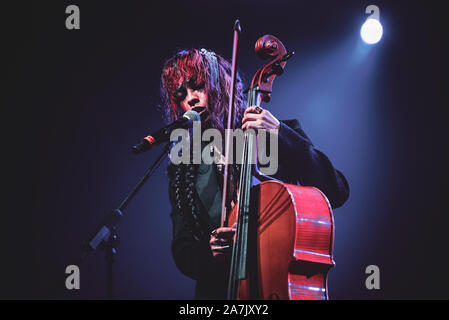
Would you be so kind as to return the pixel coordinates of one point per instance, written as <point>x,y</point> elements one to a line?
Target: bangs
<point>187,64</point>
<point>206,70</point>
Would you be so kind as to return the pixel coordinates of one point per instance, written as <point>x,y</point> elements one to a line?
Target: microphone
<point>164,134</point>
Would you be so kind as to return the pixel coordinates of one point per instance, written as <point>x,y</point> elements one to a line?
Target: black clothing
<point>299,163</point>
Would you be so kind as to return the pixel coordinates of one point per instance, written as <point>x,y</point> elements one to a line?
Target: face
<point>191,95</point>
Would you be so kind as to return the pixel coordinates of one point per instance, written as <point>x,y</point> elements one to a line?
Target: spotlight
<point>371,31</point>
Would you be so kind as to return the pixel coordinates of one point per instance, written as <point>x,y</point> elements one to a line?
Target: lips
<point>199,109</point>
<point>202,112</point>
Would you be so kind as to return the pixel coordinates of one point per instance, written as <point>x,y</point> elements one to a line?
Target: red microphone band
<point>150,139</point>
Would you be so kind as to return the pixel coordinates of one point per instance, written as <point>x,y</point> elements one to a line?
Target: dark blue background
<point>80,99</point>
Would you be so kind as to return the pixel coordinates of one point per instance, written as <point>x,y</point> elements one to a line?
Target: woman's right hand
<point>221,242</point>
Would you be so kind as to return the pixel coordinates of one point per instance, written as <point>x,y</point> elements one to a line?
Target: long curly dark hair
<point>207,67</point>
<point>214,71</point>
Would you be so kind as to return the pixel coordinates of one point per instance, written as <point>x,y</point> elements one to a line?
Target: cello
<point>283,244</point>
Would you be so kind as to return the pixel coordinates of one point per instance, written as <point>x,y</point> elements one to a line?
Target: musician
<point>201,78</point>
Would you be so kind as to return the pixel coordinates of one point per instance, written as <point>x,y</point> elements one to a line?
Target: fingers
<point>223,233</point>
<point>253,125</point>
<point>221,241</point>
<point>220,254</point>
<point>258,118</point>
<point>220,248</point>
<point>252,117</point>
<point>251,109</point>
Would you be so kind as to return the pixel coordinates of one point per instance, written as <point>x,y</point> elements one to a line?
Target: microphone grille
<point>192,115</point>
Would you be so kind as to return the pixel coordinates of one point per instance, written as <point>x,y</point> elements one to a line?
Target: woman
<point>201,80</point>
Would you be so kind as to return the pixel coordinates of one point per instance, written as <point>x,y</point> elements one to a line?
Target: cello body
<point>290,243</point>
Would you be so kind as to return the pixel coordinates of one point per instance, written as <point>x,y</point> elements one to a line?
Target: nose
<point>192,97</point>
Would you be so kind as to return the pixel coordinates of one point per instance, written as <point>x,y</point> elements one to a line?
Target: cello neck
<point>238,269</point>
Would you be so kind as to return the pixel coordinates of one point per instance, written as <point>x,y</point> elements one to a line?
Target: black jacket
<point>299,163</point>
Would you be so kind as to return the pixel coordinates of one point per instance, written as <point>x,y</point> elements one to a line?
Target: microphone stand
<point>106,236</point>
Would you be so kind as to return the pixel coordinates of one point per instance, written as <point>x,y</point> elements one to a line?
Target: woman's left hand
<point>258,118</point>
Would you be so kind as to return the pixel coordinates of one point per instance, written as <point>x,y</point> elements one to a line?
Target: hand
<point>252,118</point>
<point>220,242</point>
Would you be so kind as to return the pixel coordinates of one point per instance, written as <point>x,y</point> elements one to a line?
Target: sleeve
<point>192,257</point>
<point>302,162</point>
